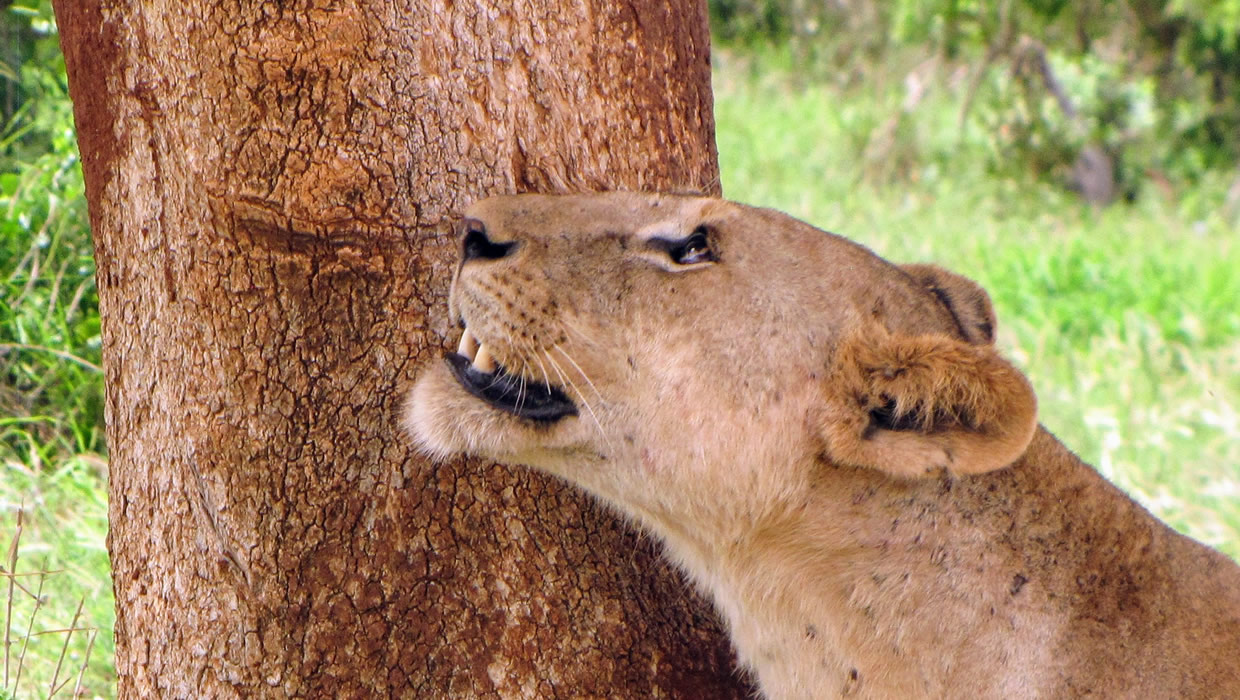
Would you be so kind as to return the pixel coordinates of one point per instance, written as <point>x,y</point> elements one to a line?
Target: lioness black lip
<point>532,400</point>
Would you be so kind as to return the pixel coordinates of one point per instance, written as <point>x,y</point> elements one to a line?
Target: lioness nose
<point>476,244</point>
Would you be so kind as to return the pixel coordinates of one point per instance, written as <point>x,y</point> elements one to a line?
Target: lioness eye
<point>693,249</point>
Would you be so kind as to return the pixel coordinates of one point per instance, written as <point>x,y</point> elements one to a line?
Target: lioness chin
<point>829,444</point>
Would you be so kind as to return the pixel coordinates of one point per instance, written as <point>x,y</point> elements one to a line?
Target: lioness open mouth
<point>476,370</point>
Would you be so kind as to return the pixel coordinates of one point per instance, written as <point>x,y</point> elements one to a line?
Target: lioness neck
<point>821,610</point>
<point>875,587</point>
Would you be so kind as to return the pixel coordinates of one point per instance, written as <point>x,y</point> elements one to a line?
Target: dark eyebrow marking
<point>664,245</point>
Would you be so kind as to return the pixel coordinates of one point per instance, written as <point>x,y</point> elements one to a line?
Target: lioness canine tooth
<point>468,345</point>
<point>483,362</point>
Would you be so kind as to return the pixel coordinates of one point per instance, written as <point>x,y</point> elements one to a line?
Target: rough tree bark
<point>272,186</point>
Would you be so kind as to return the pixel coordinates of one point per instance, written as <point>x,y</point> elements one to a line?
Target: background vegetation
<point>57,611</point>
<point>1046,90</point>
<point>990,137</point>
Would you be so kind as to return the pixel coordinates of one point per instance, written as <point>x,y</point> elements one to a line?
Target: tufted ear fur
<point>912,405</point>
<point>964,298</point>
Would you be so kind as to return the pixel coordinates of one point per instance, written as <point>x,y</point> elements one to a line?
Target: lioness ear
<point>964,298</point>
<point>911,406</point>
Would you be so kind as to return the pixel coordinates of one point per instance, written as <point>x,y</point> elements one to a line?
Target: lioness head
<point>687,356</point>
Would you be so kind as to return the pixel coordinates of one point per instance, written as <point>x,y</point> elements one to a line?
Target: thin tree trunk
<point>272,187</point>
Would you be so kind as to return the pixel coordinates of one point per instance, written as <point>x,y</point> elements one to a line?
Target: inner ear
<point>915,405</point>
<point>921,418</point>
<point>968,303</point>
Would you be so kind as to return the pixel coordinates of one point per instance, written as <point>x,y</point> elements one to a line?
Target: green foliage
<point>1154,85</point>
<point>746,20</point>
<point>49,327</point>
<point>33,108</point>
<point>52,464</point>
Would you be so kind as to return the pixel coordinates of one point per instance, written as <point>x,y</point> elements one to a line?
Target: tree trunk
<point>272,187</point>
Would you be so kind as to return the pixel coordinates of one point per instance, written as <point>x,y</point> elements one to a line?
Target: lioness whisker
<point>520,391</point>
<point>569,325</point>
<point>527,350</point>
<point>584,401</point>
<point>568,357</point>
<point>542,367</point>
<point>521,371</point>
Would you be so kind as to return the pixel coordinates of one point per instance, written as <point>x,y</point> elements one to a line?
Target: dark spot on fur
<point>1018,582</point>
<point>987,329</point>
<point>863,495</point>
<point>851,683</point>
<point>811,632</point>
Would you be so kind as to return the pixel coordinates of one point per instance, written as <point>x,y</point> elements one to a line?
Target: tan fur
<point>832,448</point>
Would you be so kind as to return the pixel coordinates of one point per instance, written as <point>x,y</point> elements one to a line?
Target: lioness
<point>827,443</point>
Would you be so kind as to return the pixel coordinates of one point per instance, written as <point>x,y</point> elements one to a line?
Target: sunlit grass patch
<point>50,598</point>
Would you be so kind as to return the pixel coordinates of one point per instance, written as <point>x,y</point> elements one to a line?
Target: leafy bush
<point>1148,89</point>
<point>49,321</point>
<point>55,586</point>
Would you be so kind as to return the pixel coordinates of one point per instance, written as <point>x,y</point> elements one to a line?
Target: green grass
<point>56,608</point>
<point>1127,320</point>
